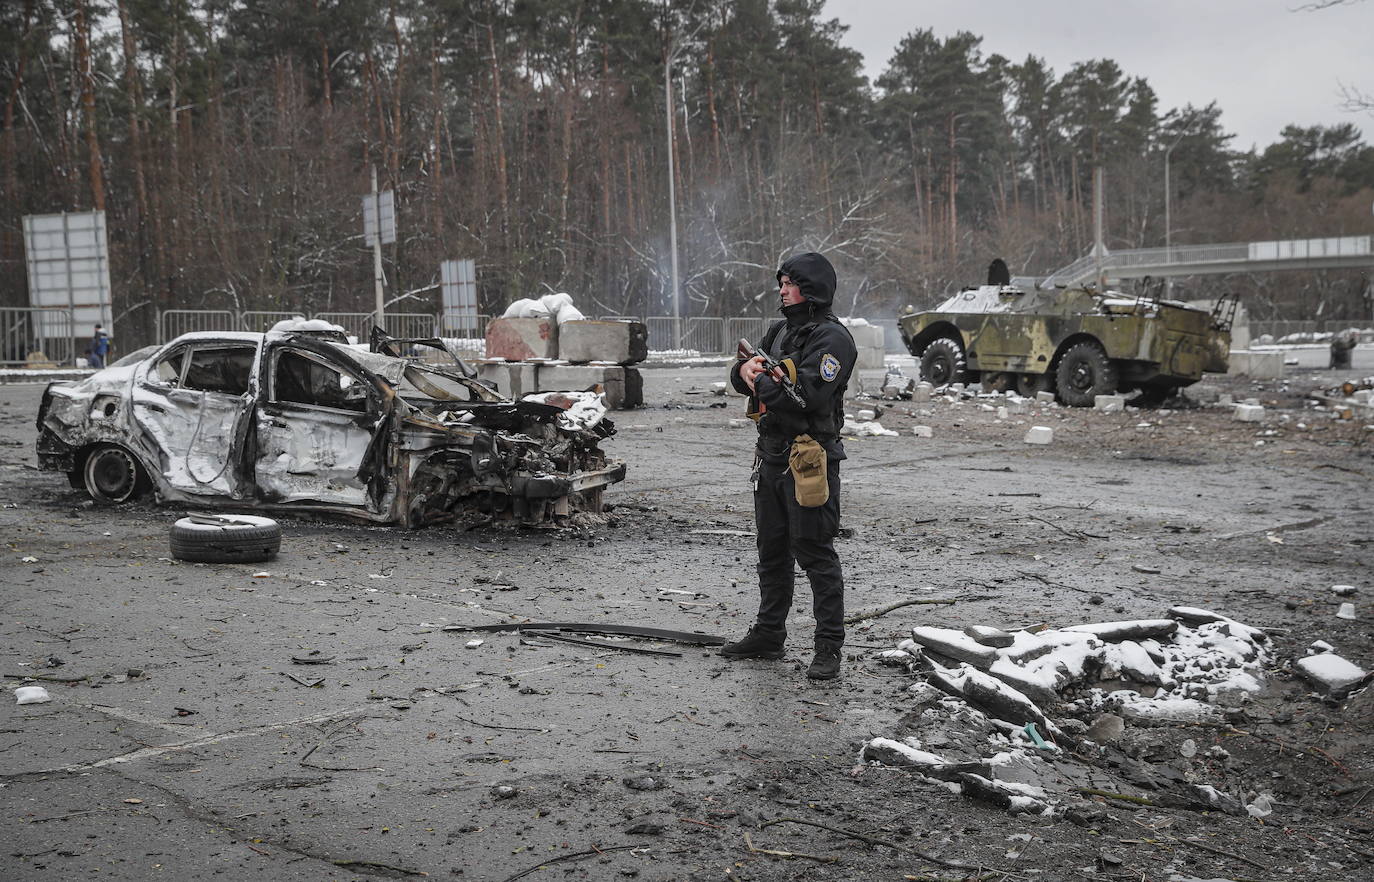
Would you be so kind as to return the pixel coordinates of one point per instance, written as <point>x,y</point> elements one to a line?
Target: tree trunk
<point>133,91</point>
<point>81,33</point>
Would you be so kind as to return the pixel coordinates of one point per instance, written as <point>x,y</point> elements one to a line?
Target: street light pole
<point>672,193</point>
<point>1168,219</point>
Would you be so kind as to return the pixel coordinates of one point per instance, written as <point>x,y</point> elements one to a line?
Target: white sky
<point>1266,63</point>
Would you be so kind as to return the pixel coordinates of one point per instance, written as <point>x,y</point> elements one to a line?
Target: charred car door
<point>318,425</point>
<point>192,402</point>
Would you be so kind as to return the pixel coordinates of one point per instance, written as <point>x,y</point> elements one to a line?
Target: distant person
<point>1341,345</point>
<point>99,348</point>
<point>998,274</point>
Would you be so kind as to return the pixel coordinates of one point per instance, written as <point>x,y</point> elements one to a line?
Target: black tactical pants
<point>787,533</point>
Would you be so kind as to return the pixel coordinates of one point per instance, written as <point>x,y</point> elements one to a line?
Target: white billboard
<point>68,262</point>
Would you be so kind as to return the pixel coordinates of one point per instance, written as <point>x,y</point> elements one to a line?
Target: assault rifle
<point>745,351</point>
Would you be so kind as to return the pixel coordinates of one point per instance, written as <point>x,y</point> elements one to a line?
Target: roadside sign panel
<point>68,264</point>
<point>387,200</point>
<point>458,280</point>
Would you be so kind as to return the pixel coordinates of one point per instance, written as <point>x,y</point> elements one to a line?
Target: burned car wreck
<point>298,420</point>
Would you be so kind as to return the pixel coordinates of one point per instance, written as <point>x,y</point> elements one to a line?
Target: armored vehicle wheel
<point>1029,384</point>
<point>112,475</point>
<point>943,362</point>
<point>1084,373</point>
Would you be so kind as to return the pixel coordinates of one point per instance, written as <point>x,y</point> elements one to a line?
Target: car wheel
<point>943,362</point>
<point>1084,373</point>
<point>225,538</point>
<point>112,475</point>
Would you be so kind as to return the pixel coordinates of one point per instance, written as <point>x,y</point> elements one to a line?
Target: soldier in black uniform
<point>800,409</point>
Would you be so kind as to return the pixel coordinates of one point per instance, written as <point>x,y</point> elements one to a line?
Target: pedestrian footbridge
<point>1192,260</point>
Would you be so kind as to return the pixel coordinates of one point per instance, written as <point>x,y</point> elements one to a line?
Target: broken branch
<point>786,854</point>
<point>875,841</point>
<point>884,610</point>
<point>1107,794</point>
<point>375,865</point>
<point>566,857</point>
<point>1219,851</point>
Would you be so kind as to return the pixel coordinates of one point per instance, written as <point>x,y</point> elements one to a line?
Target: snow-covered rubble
<point>581,410</point>
<point>1147,671</point>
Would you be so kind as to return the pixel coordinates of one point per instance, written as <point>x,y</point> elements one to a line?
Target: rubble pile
<point>1028,719</point>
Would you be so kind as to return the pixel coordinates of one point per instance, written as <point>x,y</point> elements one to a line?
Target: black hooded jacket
<point>817,354</point>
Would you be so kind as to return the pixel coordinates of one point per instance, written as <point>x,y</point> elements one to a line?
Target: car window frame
<point>187,351</point>
<point>201,346</point>
<point>270,391</point>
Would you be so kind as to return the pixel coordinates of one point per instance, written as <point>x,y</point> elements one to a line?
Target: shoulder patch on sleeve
<point>830,367</point>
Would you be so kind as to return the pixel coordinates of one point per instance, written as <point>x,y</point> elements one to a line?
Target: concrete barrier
<point>1257,364</point>
<point>517,339</point>
<point>869,341</point>
<point>623,386</point>
<point>514,379</point>
<point>620,342</point>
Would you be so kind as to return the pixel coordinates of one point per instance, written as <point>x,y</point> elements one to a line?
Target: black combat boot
<point>826,663</point>
<point>760,642</point>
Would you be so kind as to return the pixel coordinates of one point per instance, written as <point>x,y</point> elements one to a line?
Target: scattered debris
<point>1039,435</point>
<point>1145,672</point>
<point>1331,674</point>
<point>31,695</point>
<point>689,637</point>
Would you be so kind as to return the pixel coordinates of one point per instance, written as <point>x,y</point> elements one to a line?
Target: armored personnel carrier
<point>1076,342</point>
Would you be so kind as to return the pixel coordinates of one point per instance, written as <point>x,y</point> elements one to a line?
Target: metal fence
<point>463,326</point>
<point>38,337</point>
<point>175,322</point>
<point>744,327</point>
<point>259,322</point>
<point>355,324</point>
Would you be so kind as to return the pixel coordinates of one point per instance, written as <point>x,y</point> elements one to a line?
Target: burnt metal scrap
<point>691,638</point>
<point>297,420</point>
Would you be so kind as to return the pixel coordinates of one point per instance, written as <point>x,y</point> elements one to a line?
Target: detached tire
<point>1084,373</point>
<point>943,362</point>
<point>225,539</point>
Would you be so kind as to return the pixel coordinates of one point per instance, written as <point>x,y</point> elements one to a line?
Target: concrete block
<point>868,339</point>
<point>518,339</point>
<point>514,379</point>
<point>1109,403</point>
<point>922,392</point>
<point>1331,674</point>
<point>739,423</point>
<point>623,386</point>
<point>1248,413</point>
<point>1045,397</point>
<point>1039,435</point>
<point>865,415</point>
<point>1258,365</point>
<point>619,342</point>
<point>1018,405</point>
<point>922,431</point>
<point>1361,396</point>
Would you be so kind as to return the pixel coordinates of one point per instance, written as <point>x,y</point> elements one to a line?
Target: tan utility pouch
<point>807,462</point>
